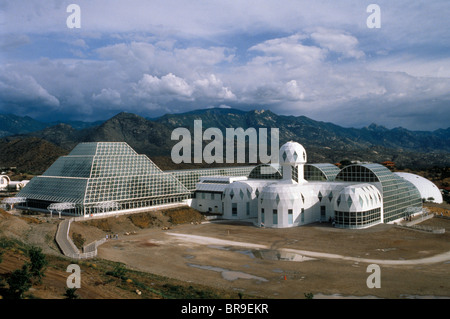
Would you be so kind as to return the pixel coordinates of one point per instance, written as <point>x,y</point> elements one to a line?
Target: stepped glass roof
<point>99,172</point>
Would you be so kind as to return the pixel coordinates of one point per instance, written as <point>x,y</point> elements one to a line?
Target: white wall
<point>207,202</point>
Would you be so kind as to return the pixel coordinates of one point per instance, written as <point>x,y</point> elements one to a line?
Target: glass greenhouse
<point>96,173</point>
<point>400,197</point>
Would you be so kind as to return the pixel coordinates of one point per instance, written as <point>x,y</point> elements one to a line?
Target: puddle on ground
<point>227,274</point>
<point>266,254</point>
<point>247,252</point>
<point>281,255</point>
<point>278,270</point>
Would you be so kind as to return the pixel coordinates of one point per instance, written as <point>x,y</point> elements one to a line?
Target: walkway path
<point>62,238</point>
<point>68,247</point>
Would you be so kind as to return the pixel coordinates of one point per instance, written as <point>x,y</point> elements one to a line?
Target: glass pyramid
<point>95,173</point>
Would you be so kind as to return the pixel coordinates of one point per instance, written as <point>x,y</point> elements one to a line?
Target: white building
<point>4,182</point>
<point>7,184</point>
<point>295,193</point>
<point>286,194</point>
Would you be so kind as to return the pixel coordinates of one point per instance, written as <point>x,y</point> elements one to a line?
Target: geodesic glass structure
<point>95,173</point>
<point>400,197</point>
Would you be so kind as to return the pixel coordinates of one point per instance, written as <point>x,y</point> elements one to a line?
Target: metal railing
<point>67,246</point>
<point>420,218</point>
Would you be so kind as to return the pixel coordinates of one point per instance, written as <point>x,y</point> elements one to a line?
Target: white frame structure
<point>60,207</point>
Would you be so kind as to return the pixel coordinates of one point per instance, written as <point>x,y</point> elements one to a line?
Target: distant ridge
<point>325,142</point>
<point>11,124</point>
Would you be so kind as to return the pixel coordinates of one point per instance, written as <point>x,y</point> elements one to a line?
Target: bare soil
<point>170,254</point>
<point>210,262</point>
<point>17,233</point>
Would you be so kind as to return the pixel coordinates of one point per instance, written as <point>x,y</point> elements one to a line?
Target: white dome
<point>358,198</point>
<point>427,189</point>
<point>239,191</point>
<point>4,181</point>
<point>292,153</point>
<point>280,191</point>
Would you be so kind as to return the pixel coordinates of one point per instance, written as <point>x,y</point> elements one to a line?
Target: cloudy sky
<point>294,57</point>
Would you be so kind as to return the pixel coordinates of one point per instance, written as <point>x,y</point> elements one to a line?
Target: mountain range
<point>25,138</point>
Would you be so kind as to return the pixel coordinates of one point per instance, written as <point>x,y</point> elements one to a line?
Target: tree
<point>37,262</point>
<point>71,293</point>
<point>118,272</point>
<point>19,282</point>
<point>309,295</point>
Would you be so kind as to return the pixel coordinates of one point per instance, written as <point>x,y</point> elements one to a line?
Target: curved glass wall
<point>266,171</point>
<point>400,197</point>
<point>321,172</point>
<point>357,219</point>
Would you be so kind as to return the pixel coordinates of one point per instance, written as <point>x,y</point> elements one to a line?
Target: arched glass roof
<point>428,190</point>
<point>400,197</point>
<point>266,171</point>
<point>321,172</point>
<point>190,177</point>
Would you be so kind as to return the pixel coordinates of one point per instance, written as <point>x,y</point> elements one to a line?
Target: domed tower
<point>292,159</point>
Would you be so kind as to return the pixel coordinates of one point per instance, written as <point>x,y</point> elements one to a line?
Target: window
<point>323,213</point>
<point>295,174</point>
<point>275,217</point>
<point>262,215</point>
<point>358,219</point>
<point>248,208</point>
<point>302,215</point>
<point>290,217</point>
<point>234,209</point>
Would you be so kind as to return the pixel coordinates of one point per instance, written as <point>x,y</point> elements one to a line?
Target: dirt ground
<point>98,281</point>
<point>231,258</point>
<point>247,259</point>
